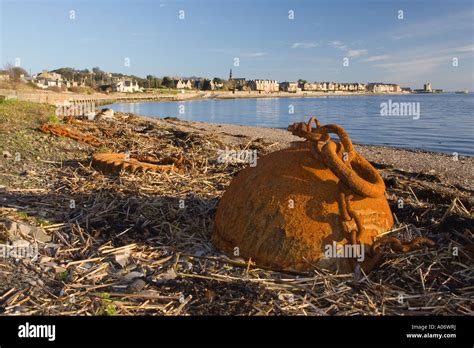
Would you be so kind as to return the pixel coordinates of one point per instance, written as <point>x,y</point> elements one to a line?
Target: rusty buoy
<point>317,204</point>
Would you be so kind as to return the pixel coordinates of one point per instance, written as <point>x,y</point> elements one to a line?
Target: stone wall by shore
<point>55,98</point>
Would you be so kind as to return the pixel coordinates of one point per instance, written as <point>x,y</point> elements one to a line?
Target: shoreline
<point>55,98</point>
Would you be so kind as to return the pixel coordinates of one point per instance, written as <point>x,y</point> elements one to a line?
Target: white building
<point>264,85</point>
<point>308,86</point>
<point>47,79</point>
<point>383,88</point>
<point>291,87</point>
<point>183,84</point>
<point>74,83</point>
<point>126,86</point>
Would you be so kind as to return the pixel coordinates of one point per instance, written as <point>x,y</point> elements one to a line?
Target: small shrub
<point>103,149</point>
<point>52,118</point>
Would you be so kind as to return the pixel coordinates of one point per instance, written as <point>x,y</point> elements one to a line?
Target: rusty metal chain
<point>62,131</point>
<point>328,153</point>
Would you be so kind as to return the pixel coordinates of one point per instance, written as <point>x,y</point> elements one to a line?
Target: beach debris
<point>116,162</point>
<point>130,277</point>
<point>319,203</point>
<point>105,114</point>
<point>62,131</point>
<point>119,211</point>
<point>17,230</point>
<point>70,120</point>
<point>122,258</point>
<point>90,116</point>
<point>136,286</point>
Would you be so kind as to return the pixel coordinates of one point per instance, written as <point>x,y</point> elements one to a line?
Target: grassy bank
<point>139,243</point>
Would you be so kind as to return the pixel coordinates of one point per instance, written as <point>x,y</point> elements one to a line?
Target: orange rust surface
<point>61,131</point>
<point>285,212</point>
<point>116,162</point>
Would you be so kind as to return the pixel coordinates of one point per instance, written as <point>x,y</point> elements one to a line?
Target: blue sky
<point>380,47</point>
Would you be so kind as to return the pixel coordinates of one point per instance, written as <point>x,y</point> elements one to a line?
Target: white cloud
<point>427,63</point>
<point>356,53</point>
<point>376,58</point>
<point>423,63</point>
<point>348,51</point>
<point>338,44</point>
<point>433,27</point>
<point>468,48</point>
<point>304,45</point>
<point>253,54</point>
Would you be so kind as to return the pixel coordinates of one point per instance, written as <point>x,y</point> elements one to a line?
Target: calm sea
<point>436,122</point>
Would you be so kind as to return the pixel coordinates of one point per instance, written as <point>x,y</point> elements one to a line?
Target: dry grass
<point>139,243</point>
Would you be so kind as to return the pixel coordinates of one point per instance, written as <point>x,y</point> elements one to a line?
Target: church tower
<point>230,75</point>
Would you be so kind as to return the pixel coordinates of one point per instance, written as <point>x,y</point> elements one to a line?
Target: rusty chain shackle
<point>370,184</point>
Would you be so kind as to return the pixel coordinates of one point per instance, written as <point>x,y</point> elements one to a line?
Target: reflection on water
<point>445,123</point>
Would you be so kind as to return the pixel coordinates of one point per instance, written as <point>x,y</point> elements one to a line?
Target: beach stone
<point>105,114</point>
<point>136,286</point>
<point>21,243</point>
<point>90,116</point>
<point>132,276</point>
<point>392,182</point>
<point>122,259</point>
<point>16,230</point>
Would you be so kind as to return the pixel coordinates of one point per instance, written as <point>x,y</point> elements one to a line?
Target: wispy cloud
<point>253,54</point>
<point>435,26</point>
<point>352,53</point>
<point>425,63</point>
<point>237,54</point>
<point>428,58</point>
<point>468,48</point>
<point>304,45</point>
<point>338,44</point>
<point>357,53</point>
<point>376,58</point>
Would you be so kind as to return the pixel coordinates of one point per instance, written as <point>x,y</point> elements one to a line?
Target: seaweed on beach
<point>138,243</point>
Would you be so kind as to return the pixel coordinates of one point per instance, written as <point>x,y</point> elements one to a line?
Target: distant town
<point>96,80</point>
